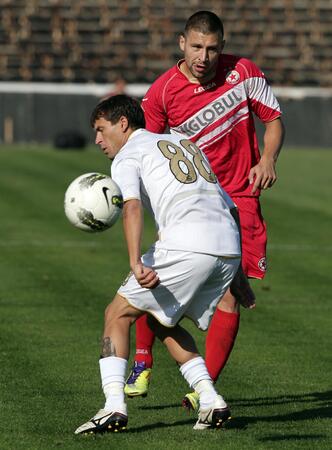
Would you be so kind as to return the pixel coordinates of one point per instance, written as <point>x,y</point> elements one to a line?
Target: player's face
<point>109,136</point>
<point>201,54</point>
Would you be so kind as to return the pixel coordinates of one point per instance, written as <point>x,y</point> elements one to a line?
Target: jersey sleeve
<point>126,174</point>
<point>154,110</point>
<point>261,98</point>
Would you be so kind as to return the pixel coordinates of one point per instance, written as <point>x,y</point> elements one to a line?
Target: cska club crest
<point>233,77</point>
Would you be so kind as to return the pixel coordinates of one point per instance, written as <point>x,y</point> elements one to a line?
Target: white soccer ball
<point>93,202</point>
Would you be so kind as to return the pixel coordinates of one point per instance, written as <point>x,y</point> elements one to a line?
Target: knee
<point>113,312</point>
<point>119,311</point>
<point>228,303</point>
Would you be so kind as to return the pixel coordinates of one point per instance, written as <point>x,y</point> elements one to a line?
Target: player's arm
<point>265,106</point>
<point>263,175</point>
<point>133,230</point>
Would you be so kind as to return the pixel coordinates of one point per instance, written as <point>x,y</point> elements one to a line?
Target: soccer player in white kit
<point>183,274</point>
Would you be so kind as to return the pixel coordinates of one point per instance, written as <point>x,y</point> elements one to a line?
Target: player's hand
<point>242,291</point>
<point>145,276</point>
<point>263,175</point>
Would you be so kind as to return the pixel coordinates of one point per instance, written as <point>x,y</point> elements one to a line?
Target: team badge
<point>233,77</point>
<point>262,264</point>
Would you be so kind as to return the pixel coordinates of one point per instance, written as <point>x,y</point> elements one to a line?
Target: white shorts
<point>191,285</point>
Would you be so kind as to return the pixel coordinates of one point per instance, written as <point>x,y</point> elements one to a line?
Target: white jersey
<point>174,181</point>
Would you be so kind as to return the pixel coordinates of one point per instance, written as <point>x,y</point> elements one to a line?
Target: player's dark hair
<point>116,106</point>
<point>205,22</point>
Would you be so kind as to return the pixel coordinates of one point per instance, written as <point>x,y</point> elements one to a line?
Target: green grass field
<point>56,282</point>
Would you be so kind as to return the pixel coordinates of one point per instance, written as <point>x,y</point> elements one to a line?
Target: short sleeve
<point>126,174</point>
<point>154,111</point>
<point>262,100</point>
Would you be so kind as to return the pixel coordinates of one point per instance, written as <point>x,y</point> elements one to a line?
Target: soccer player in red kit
<point>210,98</point>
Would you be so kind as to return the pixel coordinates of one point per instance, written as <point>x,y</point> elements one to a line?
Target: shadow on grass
<point>306,414</point>
<point>311,397</point>
<point>323,411</point>
<point>159,425</point>
<point>284,399</point>
<point>154,407</point>
<point>242,422</point>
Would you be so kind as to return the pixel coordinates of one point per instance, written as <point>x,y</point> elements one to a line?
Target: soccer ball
<point>93,202</point>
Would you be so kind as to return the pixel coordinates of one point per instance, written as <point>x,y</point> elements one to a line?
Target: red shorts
<point>253,231</point>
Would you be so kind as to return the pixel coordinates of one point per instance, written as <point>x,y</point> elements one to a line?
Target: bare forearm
<point>263,175</point>
<point>133,228</point>
<point>273,139</point>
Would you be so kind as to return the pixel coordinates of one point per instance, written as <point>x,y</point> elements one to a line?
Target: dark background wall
<point>41,117</point>
<point>308,121</point>
<point>96,42</point>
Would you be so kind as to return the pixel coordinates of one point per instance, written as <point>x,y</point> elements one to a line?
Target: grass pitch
<point>56,282</point>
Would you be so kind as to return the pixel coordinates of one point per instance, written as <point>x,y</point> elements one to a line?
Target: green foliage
<point>57,280</point>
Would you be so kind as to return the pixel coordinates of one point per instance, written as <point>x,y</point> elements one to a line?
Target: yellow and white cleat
<point>191,401</point>
<point>137,383</point>
<point>104,421</point>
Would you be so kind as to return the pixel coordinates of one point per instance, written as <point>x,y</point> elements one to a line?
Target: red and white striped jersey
<point>216,116</point>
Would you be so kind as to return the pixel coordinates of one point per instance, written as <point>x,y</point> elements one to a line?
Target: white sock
<point>207,394</point>
<point>112,372</point>
<point>195,373</point>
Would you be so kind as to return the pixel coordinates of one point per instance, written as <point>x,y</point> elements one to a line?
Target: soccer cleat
<point>191,401</point>
<point>214,417</point>
<point>137,383</point>
<point>104,421</point>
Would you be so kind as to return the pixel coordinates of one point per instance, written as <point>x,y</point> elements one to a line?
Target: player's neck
<point>191,78</point>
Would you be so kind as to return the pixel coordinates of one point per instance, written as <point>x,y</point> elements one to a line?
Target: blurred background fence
<point>58,57</point>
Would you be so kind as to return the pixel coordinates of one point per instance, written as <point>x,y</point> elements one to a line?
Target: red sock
<point>144,341</point>
<point>220,340</point>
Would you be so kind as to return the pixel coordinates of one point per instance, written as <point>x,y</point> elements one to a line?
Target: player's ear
<point>124,123</point>
<point>182,41</point>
